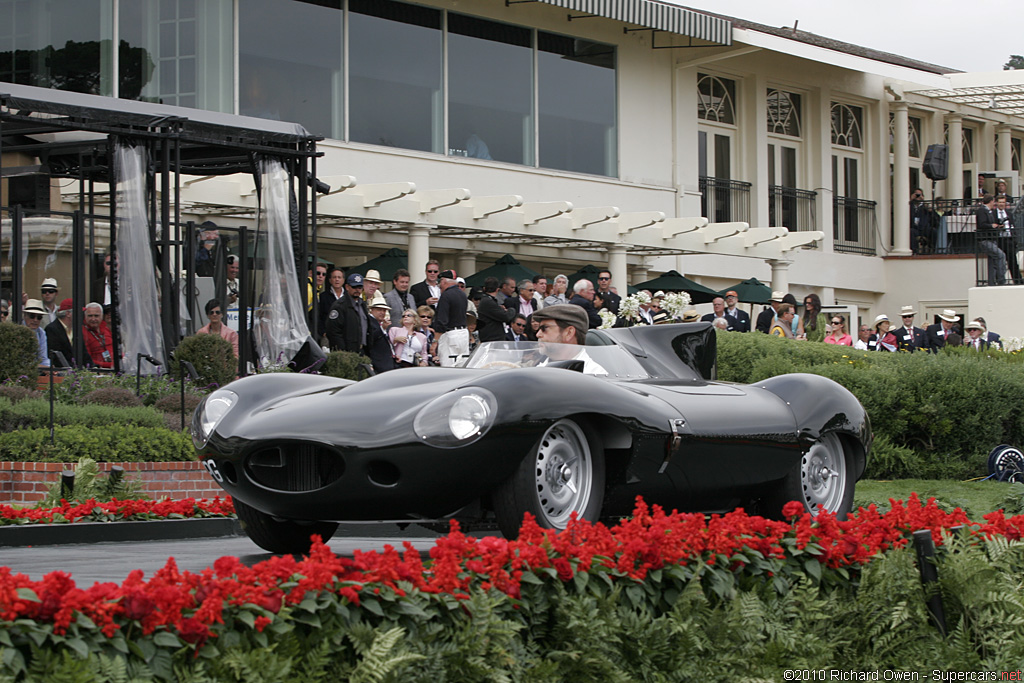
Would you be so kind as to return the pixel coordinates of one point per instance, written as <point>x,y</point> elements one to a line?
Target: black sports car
<point>549,429</point>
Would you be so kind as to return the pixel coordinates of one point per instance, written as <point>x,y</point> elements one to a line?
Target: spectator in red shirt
<point>97,337</point>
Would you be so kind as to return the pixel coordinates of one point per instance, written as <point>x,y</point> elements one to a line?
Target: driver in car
<point>562,327</point>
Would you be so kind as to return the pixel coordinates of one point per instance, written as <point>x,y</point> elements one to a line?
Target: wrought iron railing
<point>791,208</point>
<point>724,201</point>
<point>854,225</point>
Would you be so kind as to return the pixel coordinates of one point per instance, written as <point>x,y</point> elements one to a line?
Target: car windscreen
<point>613,362</point>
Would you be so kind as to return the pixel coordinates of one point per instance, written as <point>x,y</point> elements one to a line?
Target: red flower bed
<point>118,510</point>
<point>193,605</point>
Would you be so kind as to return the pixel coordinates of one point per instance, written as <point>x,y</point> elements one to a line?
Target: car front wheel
<point>564,473</point>
<point>821,480</point>
<point>280,536</point>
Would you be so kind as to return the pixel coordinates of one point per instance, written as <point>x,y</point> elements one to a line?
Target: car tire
<point>822,478</point>
<point>564,473</point>
<point>280,536</point>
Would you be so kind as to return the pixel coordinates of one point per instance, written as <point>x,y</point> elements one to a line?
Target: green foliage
<point>36,413</point>
<point>19,355</point>
<point>117,397</point>
<point>1014,62</point>
<point>79,383</point>
<point>104,443</point>
<point>212,356</point>
<point>673,626</point>
<point>15,393</point>
<point>345,365</point>
<point>935,416</point>
<point>90,485</point>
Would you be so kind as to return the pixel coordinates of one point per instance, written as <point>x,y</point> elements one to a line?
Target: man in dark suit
<point>741,317</point>
<point>1007,239</point>
<point>517,329</point>
<point>718,303</point>
<point>604,289</point>
<point>767,316</point>
<point>428,291</point>
<point>990,337</point>
<point>924,224</point>
<point>491,317</point>
<point>58,334</point>
<point>910,338</point>
<point>523,304</point>
<point>975,336</point>
<point>936,335</point>
<point>583,296</point>
<point>988,233</point>
<point>349,319</point>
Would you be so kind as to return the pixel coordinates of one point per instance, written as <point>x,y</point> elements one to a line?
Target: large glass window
<point>61,44</point>
<point>576,101</point>
<point>490,90</point>
<point>783,113</point>
<point>289,63</point>
<point>847,121</point>
<point>716,99</point>
<point>395,95</point>
<point>188,52</point>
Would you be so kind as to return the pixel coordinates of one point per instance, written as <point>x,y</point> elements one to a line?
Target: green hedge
<point>36,413</point>
<point>19,355</point>
<point>106,443</point>
<point>934,415</point>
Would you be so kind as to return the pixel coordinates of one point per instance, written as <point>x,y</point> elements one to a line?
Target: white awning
<point>660,16</point>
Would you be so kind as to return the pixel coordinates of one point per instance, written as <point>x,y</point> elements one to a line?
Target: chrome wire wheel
<point>564,473</point>
<point>823,475</point>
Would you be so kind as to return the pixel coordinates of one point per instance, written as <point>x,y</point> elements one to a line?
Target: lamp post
<point>138,369</point>
<point>184,366</point>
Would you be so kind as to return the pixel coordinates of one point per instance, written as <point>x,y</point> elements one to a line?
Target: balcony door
<point>783,181</point>
<point>846,190</point>
<point>714,163</point>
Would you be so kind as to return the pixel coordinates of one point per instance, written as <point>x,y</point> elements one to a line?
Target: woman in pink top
<point>838,335</point>
<point>410,346</point>
<point>215,312</point>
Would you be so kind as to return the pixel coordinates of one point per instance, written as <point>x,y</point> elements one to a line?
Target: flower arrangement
<point>607,319</point>
<point>676,303</point>
<point>629,308</point>
<point>117,510</point>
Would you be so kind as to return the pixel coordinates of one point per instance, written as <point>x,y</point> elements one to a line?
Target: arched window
<point>783,113</point>
<point>716,99</point>
<point>847,121</point>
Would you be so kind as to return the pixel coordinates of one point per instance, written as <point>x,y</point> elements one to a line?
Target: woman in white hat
<point>882,339</point>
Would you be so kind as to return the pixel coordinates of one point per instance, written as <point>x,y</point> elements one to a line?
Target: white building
<point>569,132</point>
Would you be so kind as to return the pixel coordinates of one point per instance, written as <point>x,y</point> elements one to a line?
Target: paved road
<point>98,562</point>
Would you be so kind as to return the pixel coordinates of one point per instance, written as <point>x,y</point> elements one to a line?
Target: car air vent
<point>296,467</point>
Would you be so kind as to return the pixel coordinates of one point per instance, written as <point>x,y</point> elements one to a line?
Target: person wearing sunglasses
<point>428,291</point>
<point>837,332</point>
<point>96,334</point>
<point>34,314</point>
<point>215,312</point>
<point>5,309</point>
<point>910,338</point>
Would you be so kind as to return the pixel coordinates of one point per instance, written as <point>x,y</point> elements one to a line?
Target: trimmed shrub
<point>345,365</point>
<point>36,413</point>
<point>15,393</point>
<point>113,396</point>
<point>934,415</point>
<point>212,356</point>
<point>170,406</point>
<point>19,355</point>
<point>108,443</point>
<point>79,382</point>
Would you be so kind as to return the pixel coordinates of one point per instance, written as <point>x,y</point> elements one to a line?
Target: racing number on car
<point>211,466</point>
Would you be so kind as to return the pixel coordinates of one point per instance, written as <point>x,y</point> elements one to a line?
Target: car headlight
<point>211,412</point>
<point>456,419</point>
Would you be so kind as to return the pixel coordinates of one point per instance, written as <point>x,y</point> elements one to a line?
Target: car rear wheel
<point>564,473</point>
<point>280,536</point>
<point>821,480</point>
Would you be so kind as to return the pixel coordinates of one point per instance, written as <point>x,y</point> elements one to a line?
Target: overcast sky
<point>967,36</point>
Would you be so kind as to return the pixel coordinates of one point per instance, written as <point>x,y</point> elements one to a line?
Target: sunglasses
<point>215,312</point>
<point>604,278</point>
<point>433,271</point>
<point>33,316</point>
<point>837,322</point>
<point>3,314</point>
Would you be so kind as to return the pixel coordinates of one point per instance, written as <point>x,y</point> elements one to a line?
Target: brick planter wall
<point>27,482</point>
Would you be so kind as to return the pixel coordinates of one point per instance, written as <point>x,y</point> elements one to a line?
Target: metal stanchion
<point>925,547</point>
<point>184,366</point>
<point>138,370</point>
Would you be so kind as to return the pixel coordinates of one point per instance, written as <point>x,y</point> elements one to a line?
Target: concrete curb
<point>106,532</point>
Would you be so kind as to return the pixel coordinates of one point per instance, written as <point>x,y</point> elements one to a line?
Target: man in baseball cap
<point>741,317</point>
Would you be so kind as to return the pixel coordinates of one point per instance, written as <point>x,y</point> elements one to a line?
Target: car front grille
<point>295,467</point>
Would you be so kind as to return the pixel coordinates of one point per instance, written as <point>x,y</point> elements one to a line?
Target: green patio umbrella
<point>386,264</point>
<point>672,281</point>
<point>589,271</point>
<point>750,291</point>
<point>506,266</point>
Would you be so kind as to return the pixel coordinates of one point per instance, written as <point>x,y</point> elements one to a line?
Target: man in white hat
<point>33,313</point>
<point>976,335</point>
<point>910,338</point>
<point>937,334</point>
<point>49,291</point>
<point>371,283</point>
<point>767,316</point>
<point>378,345</point>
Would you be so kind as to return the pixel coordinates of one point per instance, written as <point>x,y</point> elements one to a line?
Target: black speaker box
<point>935,162</point>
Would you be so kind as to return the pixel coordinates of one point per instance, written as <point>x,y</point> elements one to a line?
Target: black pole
<point>115,286</point>
<point>51,401</point>
<point>17,284</point>
<point>925,547</point>
<point>67,484</point>
<point>78,289</point>
<point>183,367</point>
<point>244,331</point>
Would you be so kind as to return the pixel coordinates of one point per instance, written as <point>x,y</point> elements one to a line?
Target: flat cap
<point>570,314</point>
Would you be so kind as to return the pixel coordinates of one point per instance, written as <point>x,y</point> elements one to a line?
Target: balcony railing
<point>791,208</point>
<point>854,225</point>
<point>724,201</point>
<point>995,256</point>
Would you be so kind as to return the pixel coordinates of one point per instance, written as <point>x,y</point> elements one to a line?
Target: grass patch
<point>976,498</point>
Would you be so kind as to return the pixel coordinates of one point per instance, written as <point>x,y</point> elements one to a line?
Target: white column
<point>640,274</point>
<point>819,172</point>
<point>780,275</point>
<point>753,147</point>
<point>1003,147</point>
<point>901,179</point>
<point>419,250</point>
<point>954,137</point>
<point>617,267</point>
<point>465,264</point>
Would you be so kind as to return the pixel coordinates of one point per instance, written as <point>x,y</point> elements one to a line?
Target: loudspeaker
<point>935,166</point>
